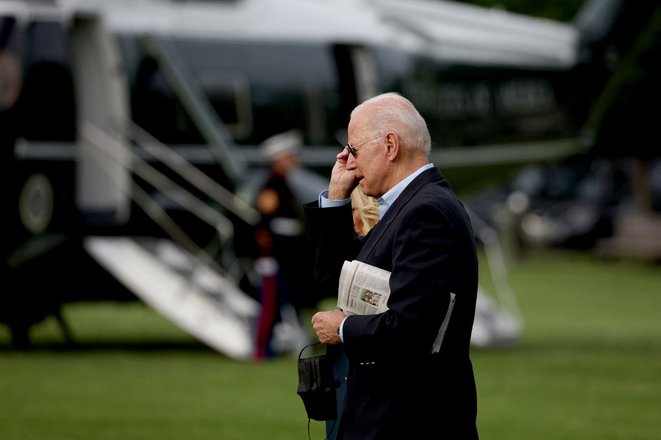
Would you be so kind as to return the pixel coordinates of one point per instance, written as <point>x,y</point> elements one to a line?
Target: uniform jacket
<point>395,388</point>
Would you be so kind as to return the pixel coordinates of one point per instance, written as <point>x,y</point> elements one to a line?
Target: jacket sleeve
<point>333,240</point>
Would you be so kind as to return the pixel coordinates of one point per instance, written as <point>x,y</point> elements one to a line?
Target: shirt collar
<point>386,200</point>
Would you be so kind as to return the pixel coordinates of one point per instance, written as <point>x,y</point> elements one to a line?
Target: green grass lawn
<point>588,367</point>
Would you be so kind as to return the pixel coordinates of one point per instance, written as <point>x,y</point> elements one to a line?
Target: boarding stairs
<point>196,288</point>
<point>200,300</point>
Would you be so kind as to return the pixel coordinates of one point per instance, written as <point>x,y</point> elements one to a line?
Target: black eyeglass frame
<point>354,149</point>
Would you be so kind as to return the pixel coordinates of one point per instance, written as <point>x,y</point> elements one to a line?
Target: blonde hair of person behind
<point>366,211</point>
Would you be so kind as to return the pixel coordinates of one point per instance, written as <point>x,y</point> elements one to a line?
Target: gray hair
<point>392,112</point>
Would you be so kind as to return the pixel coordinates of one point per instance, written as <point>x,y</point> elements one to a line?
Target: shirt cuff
<point>324,202</point>
<point>341,330</point>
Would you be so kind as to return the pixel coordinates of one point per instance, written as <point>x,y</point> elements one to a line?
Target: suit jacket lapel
<point>375,235</point>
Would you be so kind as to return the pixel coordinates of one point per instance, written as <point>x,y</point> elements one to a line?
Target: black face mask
<point>316,386</point>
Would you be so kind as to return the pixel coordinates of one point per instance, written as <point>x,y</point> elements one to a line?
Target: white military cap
<point>287,142</point>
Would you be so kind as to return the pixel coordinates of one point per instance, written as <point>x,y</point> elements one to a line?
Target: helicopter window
<point>273,90</point>
<point>256,88</point>
<point>157,109</point>
<point>229,95</point>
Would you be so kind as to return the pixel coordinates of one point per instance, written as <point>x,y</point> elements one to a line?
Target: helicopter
<point>130,131</point>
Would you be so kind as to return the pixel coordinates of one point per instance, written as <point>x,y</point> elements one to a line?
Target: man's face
<point>370,163</point>
<point>370,167</point>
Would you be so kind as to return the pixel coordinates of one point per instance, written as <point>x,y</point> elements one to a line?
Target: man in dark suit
<point>396,387</point>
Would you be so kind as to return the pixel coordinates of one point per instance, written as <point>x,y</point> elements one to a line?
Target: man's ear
<point>392,146</point>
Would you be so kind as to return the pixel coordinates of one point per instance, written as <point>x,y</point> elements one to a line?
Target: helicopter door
<point>103,182</point>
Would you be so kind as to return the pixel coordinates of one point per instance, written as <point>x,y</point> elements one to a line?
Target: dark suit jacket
<point>396,389</point>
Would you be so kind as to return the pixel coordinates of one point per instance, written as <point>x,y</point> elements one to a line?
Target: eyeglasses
<point>354,149</point>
